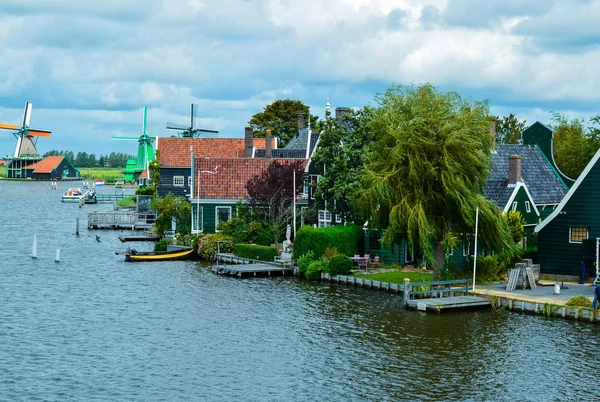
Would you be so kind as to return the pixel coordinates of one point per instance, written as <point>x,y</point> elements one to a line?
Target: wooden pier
<point>439,304</point>
<point>124,238</point>
<point>231,265</point>
<point>120,220</point>
<point>442,296</point>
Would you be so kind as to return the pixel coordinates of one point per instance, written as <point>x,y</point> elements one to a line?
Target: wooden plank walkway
<point>124,238</point>
<point>253,270</point>
<point>439,304</point>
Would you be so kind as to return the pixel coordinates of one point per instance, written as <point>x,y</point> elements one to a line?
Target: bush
<point>162,244</point>
<point>304,261</point>
<point>146,190</point>
<point>207,246</point>
<point>339,264</point>
<point>314,270</point>
<point>348,240</point>
<point>579,301</point>
<point>246,227</point>
<point>256,252</point>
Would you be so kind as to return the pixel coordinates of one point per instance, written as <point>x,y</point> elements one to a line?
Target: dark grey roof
<point>282,153</point>
<point>295,148</point>
<point>498,191</point>
<point>536,172</point>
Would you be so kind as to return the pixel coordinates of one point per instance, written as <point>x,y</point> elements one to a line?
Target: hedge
<point>254,251</point>
<point>348,240</point>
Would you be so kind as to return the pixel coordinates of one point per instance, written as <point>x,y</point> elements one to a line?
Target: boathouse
<point>51,167</point>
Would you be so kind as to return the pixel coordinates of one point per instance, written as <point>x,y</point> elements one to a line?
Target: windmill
<point>190,131</point>
<point>145,153</point>
<point>26,137</point>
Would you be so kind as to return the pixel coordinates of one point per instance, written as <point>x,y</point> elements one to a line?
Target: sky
<point>89,67</point>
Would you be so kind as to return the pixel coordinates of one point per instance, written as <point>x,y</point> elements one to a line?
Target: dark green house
<point>572,232</point>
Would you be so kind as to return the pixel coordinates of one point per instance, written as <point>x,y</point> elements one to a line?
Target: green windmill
<point>139,167</point>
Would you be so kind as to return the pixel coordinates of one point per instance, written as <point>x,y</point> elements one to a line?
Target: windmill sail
<point>190,131</point>
<point>26,137</point>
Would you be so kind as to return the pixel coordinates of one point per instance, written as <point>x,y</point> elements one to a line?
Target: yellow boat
<point>134,256</point>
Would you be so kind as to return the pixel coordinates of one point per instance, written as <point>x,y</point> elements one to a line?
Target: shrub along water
<point>207,246</point>
<point>313,273</point>
<point>347,240</point>
<point>255,252</point>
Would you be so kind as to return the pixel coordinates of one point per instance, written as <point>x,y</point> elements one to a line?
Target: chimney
<point>340,112</point>
<point>301,121</point>
<point>249,142</point>
<point>268,144</point>
<point>514,169</point>
<point>493,128</point>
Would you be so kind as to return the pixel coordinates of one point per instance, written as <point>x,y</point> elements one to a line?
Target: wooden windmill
<point>190,131</point>
<point>26,137</point>
<point>145,153</point>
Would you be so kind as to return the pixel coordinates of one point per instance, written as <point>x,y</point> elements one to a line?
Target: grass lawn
<point>397,276</point>
<point>107,174</point>
<point>127,201</point>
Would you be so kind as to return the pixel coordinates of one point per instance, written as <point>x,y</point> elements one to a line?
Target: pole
<point>192,183</point>
<point>294,195</point>
<point>77,226</point>
<point>475,257</point>
<point>198,204</point>
<point>57,258</point>
<point>34,250</point>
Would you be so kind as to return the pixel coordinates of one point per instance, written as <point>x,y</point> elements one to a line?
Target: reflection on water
<point>96,328</point>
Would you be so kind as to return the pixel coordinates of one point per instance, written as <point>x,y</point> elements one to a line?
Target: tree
<point>271,195</point>
<point>169,208</point>
<point>425,173</point>
<point>509,129</point>
<point>571,151</point>
<point>281,117</point>
<point>339,160</point>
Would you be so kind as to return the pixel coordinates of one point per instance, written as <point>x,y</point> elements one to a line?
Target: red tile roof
<point>144,174</point>
<point>175,151</point>
<point>46,165</point>
<point>2,162</point>
<point>229,181</point>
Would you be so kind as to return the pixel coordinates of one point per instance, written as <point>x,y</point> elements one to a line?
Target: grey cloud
<point>396,19</point>
<point>477,14</point>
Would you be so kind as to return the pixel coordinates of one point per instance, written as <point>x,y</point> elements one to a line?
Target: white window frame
<point>527,206</point>
<point>324,218</point>
<point>514,206</point>
<point>189,181</point>
<point>587,234</point>
<point>217,215</point>
<point>178,181</point>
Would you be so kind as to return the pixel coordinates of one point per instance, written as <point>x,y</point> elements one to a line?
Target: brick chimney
<point>268,144</point>
<point>301,121</point>
<point>514,169</point>
<point>248,142</point>
<point>341,112</point>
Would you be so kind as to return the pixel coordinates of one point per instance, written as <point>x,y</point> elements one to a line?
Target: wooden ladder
<point>529,274</point>
<point>513,276</point>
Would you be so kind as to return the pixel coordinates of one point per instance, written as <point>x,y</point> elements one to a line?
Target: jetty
<point>120,220</point>
<point>147,237</point>
<point>442,296</point>
<point>231,265</point>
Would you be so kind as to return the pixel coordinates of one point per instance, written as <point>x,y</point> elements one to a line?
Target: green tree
<point>425,173</point>
<point>281,117</point>
<point>509,129</point>
<point>516,225</point>
<point>571,150</point>
<point>247,227</point>
<point>172,208</point>
<point>339,160</point>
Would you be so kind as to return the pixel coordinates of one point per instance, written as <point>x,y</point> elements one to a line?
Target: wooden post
<point>57,259</point>
<point>406,290</point>
<point>77,226</point>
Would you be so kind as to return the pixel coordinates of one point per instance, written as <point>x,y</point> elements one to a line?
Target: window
<point>324,218</point>
<point>527,206</point>
<point>514,206</point>
<point>197,217</point>
<point>375,240</point>
<point>223,215</point>
<point>577,234</point>
<point>189,181</point>
<point>178,181</point>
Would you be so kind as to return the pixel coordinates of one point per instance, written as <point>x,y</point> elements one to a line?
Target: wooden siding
<point>209,214</point>
<point>166,186</point>
<point>522,197</point>
<point>556,254</point>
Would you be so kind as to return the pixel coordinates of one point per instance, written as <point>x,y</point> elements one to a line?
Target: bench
<point>284,259</point>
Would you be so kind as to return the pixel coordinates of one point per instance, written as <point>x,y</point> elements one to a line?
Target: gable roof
<point>572,191</point>
<point>228,182</point>
<point>46,165</point>
<point>301,146</point>
<point>175,151</point>
<point>542,181</point>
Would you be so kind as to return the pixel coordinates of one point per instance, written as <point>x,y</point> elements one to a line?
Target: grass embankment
<point>127,201</point>
<point>109,175</point>
<point>397,276</point>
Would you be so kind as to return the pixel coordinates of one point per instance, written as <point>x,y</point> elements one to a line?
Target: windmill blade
<point>193,112</point>
<point>27,114</point>
<point>8,126</point>
<point>39,133</point>
<point>175,126</point>
<point>118,137</point>
<point>205,130</point>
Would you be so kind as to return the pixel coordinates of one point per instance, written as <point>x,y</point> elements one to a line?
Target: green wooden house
<point>572,232</point>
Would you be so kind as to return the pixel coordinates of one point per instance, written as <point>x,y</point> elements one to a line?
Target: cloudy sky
<point>90,66</point>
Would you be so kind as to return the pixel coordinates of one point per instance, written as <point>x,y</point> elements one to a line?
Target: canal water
<point>95,328</point>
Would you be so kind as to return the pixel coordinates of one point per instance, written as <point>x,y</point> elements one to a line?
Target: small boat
<point>98,183</point>
<point>133,256</point>
<point>73,195</point>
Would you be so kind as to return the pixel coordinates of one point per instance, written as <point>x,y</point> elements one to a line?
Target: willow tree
<point>425,173</point>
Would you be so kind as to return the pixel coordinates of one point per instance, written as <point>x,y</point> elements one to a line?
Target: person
<point>582,273</point>
<point>596,297</point>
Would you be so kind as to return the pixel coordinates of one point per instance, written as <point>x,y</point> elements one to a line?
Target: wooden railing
<point>436,288</point>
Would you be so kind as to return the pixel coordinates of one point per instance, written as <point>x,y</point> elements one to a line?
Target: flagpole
<point>294,195</point>
<point>475,257</point>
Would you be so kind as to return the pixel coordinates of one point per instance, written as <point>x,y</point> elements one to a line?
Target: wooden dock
<point>231,265</point>
<point>120,220</point>
<point>124,238</point>
<point>439,304</point>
